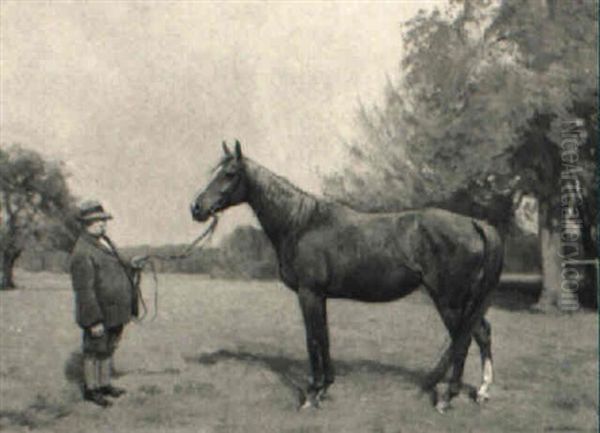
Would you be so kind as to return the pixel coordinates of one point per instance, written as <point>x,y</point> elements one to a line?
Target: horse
<point>327,250</point>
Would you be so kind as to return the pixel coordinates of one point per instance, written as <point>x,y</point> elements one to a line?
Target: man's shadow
<point>74,369</point>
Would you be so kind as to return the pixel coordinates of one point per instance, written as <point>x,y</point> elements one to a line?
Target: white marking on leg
<point>488,371</point>
<point>487,380</point>
<point>305,405</point>
<point>442,406</point>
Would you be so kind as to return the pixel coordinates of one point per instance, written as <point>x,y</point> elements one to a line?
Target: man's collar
<point>95,241</point>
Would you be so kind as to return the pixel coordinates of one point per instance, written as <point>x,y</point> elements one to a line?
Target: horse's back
<point>394,235</point>
<point>381,256</point>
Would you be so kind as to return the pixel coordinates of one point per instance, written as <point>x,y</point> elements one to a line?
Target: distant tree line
<point>245,253</point>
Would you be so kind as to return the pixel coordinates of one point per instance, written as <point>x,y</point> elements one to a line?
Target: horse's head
<point>227,187</point>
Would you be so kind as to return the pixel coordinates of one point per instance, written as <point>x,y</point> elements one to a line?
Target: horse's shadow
<point>292,372</point>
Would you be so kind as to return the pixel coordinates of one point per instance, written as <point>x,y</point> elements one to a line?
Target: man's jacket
<point>102,284</point>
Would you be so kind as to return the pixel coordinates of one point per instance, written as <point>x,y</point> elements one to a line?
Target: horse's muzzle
<point>198,214</point>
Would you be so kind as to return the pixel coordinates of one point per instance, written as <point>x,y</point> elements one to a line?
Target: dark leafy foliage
<point>477,113</point>
<point>37,208</point>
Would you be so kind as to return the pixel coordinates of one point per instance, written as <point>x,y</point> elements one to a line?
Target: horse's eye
<point>230,174</point>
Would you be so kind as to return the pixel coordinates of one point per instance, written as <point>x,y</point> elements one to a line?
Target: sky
<point>135,98</point>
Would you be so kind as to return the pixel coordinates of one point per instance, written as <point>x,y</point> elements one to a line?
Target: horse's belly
<point>373,284</point>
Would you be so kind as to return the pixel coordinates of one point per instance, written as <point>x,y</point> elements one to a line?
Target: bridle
<point>225,194</point>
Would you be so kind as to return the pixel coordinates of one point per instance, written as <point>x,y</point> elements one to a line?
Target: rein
<point>151,258</point>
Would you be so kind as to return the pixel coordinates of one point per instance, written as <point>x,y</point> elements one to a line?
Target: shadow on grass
<point>41,413</point>
<point>292,372</point>
<point>74,368</point>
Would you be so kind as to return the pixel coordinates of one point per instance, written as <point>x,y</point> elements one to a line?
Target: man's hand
<point>97,330</point>
<point>138,262</point>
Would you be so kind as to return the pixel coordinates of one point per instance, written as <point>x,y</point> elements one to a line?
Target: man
<point>105,300</point>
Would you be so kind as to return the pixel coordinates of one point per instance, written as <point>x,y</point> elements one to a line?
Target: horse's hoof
<point>322,395</point>
<point>309,401</point>
<point>442,406</point>
<point>482,397</point>
<point>306,405</point>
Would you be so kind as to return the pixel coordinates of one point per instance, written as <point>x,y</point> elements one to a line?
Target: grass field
<point>224,356</point>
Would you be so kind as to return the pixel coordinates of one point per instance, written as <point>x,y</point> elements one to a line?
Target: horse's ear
<point>226,149</point>
<point>238,149</point>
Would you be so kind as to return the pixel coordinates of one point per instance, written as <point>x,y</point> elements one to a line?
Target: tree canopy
<point>36,206</point>
<point>478,109</point>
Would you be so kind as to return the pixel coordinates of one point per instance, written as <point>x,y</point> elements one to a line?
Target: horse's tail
<point>493,255</point>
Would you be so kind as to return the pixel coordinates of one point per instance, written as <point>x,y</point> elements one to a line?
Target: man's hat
<point>92,210</point>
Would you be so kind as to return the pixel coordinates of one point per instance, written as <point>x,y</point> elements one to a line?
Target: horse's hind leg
<point>452,318</point>
<point>458,369</point>
<point>483,337</point>
<point>455,383</point>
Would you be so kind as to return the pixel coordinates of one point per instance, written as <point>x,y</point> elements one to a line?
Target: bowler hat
<point>92,210</point>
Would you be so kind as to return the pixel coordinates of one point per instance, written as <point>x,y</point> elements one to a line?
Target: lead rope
<point>134,278</point>
<point>187,252</point>
<point>150,260</point>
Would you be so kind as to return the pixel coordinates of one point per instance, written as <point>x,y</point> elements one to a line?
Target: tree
<point>487,92</point>
<point>36,207</point>
<point>248,253</point>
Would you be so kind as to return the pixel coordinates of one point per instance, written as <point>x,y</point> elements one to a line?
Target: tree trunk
<point>588,293</point>
<point>551,269</point>
<point>8,264</point>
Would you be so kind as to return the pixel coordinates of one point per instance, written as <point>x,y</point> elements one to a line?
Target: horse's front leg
<point>314,312</point>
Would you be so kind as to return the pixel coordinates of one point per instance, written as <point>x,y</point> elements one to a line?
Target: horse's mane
<point>297,206</point>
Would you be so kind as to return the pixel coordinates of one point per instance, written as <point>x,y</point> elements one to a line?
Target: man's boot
<point>105,370</point>
<point>91,382</point>
<point>112,391</point>
<point>96,397</point>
